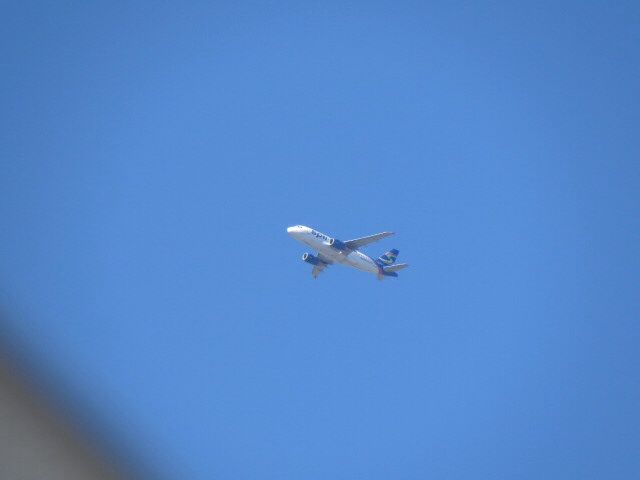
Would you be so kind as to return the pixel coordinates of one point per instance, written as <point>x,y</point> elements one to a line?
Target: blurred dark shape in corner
<point>38,440</point>
<point>37,444</point>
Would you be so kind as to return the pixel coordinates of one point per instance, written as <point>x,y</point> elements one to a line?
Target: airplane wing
<point>322,264</point>
<point>324,259</point>
<point>317,269</point>
<point>361,242</point>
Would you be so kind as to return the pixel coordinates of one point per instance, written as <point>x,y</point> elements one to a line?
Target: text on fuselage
<point>319,235</point>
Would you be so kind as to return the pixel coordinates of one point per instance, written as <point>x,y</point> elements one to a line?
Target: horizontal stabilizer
<point>395,268</point>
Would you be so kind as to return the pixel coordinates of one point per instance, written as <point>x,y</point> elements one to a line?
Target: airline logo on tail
<point>389,257</point>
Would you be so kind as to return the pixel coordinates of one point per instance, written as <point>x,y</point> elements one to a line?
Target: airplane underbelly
<point>352,259</point>
<point>360,263</point>
<point>331,253</point>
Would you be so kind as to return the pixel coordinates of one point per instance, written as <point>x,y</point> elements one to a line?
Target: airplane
<point>331,250</point>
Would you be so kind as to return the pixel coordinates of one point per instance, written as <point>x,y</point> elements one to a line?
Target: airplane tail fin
<point>388,258</point>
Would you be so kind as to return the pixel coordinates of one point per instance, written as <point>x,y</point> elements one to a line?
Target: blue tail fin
<point>389,257</point>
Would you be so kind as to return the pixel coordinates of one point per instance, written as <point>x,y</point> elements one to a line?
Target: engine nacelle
<point>307,257</point>
<point>337,244</point>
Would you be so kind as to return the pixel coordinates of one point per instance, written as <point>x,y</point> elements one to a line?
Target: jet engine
<point>307,257</point>
<point>337,244</point>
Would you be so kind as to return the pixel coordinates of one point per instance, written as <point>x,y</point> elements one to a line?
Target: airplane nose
<point>290,230</point>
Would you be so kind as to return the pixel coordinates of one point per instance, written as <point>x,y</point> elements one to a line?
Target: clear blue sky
<point>152,156</point>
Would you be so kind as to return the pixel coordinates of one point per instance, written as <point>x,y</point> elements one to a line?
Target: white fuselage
<point>320,242</point>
